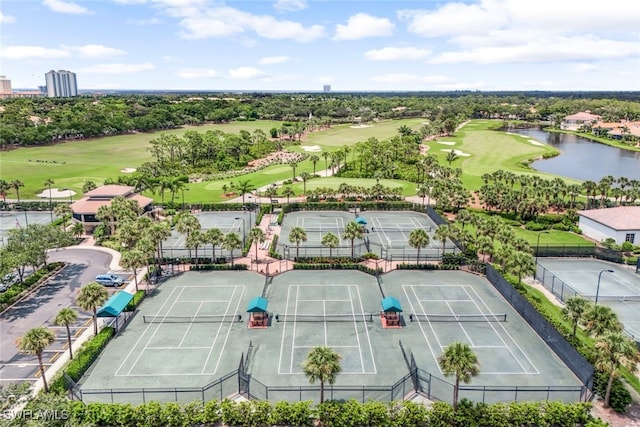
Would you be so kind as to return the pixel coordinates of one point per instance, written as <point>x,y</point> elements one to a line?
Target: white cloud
<point>361,26</point>
<point>583,67</point>
<point>197,73</point>
<point>32,52</point>
<point>268,60</point>
<point>409,78</point>
<point>282,78</point>
<point>397,54</point>
<point>290,5</point>
<point>95,51</point>
<point>6,19</point>
<point>245,73</point>
<point>117,68</point>
<point>66,7</point>
<point>142,22</point>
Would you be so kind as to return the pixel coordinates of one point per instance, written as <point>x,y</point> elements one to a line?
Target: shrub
<point>217,267</point>
<point>135,301</point>
<point>620,397</point>
<point>536,226</point>
<point>273,248</point>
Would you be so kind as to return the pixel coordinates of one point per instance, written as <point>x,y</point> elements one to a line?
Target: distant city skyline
<point>305,45</point>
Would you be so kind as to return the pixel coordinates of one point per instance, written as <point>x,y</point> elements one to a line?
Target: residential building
<point>85,209</point>
<point>621,223</point>
<point>326,88</point>
<point>5,87</point>
<point>576,121</point>
<point>61,83</point>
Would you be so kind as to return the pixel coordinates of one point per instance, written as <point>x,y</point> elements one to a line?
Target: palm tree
<point>322,364</point>
<point>193,241</point>
<point>187,224</point>
<point>459,359</point>
<point>601,319</point>
<point>326,155</point>
<point>352,232</point>
<point>443,233</point>
<point>304,176</point>
<point>314,159</point>
<point>77,229</point>
<point>231,242</point>
<point>88,186</point>
<point>243,187</point>
<point>34,341</point>
<point>257,235</point>
<point>418,239</point>
<point>90,298</point>
<point>293,165</point>
<point>288,191</point>
<point>297,235</point>
<point>521,264</point>
<point>614,350</point>
<point>17,184</point>
<point>133,259</point>
<point>214,237</point>
<point>451,157</point>
<point>574,311</point>
<point>66,317</point>
<point>63,210</point>
<point>4,187</point>
<point>48,183</point>
<point>331,241</point>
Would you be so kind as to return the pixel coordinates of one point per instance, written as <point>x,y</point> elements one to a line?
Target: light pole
<point>598,287</point>
<point>244,232</point>
<point>538,245</point>
<point>182,189</point>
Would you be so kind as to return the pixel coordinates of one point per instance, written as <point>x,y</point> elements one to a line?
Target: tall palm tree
<point>187,224</point>
<point>193,241</point>
<point>353,231</point>
<point>63,210</point>
<point>48,183</point>
<point>231,242</point>
<point>459,359</point>
<point>443,233</point>
<point>34,341</point>
<point>304,176</point>
<point>4,187</point>
<point>17,184</point>
<point>133,259</point>
<point>614,350</point>
<point>288,192</point>
<point>314,160</point>
<point>243,187</point>
<point>326,155</point>
<point>66,317</point>
<point>256,234</point>
<point>293,165</point>
<point>418,239</point>
<point>322,364</point>
<point>90,298</point>
<point>574,310</point>
<point>331,241</point>
<point>214,237</point>
<point>601,319</point>
<point>521,264</point>
<point>297,235</point>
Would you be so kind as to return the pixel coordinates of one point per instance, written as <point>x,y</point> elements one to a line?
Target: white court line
<point>366,330</point>
<point>444,300</point>
<point>184,336</point>
<point>293,335</point>
<point>464,331</point>
<point>224,344</point>
<point>340,225</point>
<point>333,346</point>
<point>355,326</point>
<point>284,329</point>
<point>135,362</point>
<point>506,332</point>
<point>429,323</point>
<point>324,312</point>
<point>324,300</point>
<point>206,300</point>
<point>177,348</point>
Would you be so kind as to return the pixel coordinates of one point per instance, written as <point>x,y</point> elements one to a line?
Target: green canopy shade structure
<point>115,305</point>
<point>360,220</point>
<point>391,305</point>
<point>257,305</point>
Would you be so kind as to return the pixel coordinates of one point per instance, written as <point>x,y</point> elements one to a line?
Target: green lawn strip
<point>408,188</point>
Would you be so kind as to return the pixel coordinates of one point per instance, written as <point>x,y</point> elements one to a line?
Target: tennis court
<point>386,234</point>
<point>238,222</point>
<point>619,288</point>
<point>16,219</point>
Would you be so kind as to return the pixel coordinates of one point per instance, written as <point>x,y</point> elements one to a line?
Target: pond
<point>583,159</point>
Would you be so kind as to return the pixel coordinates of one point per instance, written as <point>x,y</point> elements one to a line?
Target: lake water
<point>583,159</point>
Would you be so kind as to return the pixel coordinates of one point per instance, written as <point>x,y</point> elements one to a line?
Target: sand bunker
<point>56,193</point>
<point>457,152</point>
<point>446,142</point>
<point>361,126</point>
<point>534,142</point>
<point>313,148</point>
<point>128,170</point>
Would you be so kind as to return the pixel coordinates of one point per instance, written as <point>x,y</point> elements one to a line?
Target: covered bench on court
<point>259,317</point>
<point>390,315</point>
<point>114,307</point>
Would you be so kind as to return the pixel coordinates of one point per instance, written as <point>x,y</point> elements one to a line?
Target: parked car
<point>3,287</point>
<point>109,280</point>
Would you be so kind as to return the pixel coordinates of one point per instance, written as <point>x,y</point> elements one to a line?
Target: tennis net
<point>201,318</point>
<point>359,317</point>
<point>374,229</point>
<point>614,298</point>
<point>490,317</point>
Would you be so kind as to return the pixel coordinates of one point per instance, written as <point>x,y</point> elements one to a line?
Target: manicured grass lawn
<point>488,151</point>
<point>408,188</point>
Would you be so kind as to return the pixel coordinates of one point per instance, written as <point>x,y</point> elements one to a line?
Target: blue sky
<point>302,44</point>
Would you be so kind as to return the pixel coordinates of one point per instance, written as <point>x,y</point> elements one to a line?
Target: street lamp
<point>183,196</point>
<point>538,245</point>
<point>598,287</point>
<point>244,232</point>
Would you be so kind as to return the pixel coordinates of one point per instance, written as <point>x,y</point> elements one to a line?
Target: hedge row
<point>17,290</point>
<point>350,266</point>
<point>331,414</point>
<point>345,206</point>
<point>428,267</point>
<point>273,253</point>
<point>211,267</point>
<point>83,358</point>
<point>327,260</point>
<point>135,301</point>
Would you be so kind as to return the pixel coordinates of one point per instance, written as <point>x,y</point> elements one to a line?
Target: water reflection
<point>583,159</point>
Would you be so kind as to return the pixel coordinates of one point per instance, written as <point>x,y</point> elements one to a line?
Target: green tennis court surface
<point>345,306</point>
<point>619,290</point>
<point>15,219</point>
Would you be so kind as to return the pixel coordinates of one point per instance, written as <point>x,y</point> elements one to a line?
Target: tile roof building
<point>621,223</point>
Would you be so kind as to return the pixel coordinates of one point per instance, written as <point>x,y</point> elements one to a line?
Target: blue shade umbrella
<point>360,220</point>
<point>257,305</point>
<point>391,304</point>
